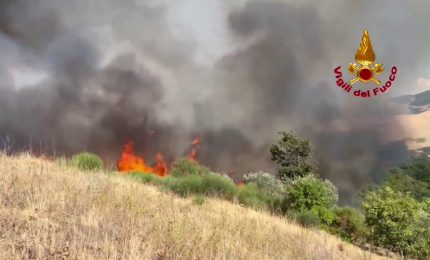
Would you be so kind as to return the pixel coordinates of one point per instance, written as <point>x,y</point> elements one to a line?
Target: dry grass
<point>48,211</point>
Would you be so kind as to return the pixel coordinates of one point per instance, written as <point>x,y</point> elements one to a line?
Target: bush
<point>87,161</point>
<point>293,156</point>
<point>396,221</point>
<point>305,218</point>
<point>349,224</point>
<point>209,184</point>
<point>265,182</point>
<point>309,192</point>
<point>184,167</point>
<point>252,196</point>
<point>326,215</point>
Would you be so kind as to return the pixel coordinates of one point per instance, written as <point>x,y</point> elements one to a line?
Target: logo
<point>365,72</point>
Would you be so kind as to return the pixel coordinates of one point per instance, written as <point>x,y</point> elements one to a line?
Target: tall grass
<point>49,211</point>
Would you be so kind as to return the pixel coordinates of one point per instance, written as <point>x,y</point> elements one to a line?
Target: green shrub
<point>252,196</point>
<point>209,184</point>
<point>265,182</point>
<point>349,224</point>
<point>326,215</point>
<point>396,221</point>
<point>87,161</point>
<point>309,192</point>
<point>305,218</point>
<point>184,167</point>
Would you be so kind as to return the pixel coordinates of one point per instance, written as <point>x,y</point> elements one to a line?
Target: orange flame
<point>129,162</point>
<point>240,184</point>
<point>195,146</point>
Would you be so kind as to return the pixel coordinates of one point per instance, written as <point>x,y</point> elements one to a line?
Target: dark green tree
<point>293,156</point>
<point>418,168</point>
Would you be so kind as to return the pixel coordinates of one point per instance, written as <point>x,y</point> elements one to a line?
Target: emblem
<point>363,70</point>
<point>365,56</point>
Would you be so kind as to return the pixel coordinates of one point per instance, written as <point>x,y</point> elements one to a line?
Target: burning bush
<point>87,161</point>
<point>130,162</point>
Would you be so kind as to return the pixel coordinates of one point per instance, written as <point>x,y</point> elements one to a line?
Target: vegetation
<point>396,214</point>
<point>397,221</point>
<point>199,199</point>
<point>412,177</point>
<point>209,184</point>
<point>184,167</point>
<point>253,196</point>
<point>349,224</point>
<point>51,211</point>
<point>309,192</point>
<point>305,218</point>
<point>293,156</point>
<point>87,161</point>
<point>265,181</point>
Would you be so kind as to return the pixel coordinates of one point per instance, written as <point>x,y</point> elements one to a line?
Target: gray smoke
<point>116,71</point>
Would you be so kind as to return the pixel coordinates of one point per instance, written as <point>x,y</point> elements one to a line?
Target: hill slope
<point>51,211</point>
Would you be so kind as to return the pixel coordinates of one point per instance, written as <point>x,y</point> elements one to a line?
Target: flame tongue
<point>195,146</point>
<point>365,55</point>
<point>129,162</point>
<point>160,167</point>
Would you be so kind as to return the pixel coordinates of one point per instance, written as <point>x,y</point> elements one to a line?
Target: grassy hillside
<point>51,211</point>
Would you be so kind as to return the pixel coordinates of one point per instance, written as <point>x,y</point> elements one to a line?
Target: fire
<point>240,184</point>
<point>195,145</point>
<point>129,162</point>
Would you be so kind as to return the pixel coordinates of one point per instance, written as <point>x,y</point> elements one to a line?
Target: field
<point>51,211</point>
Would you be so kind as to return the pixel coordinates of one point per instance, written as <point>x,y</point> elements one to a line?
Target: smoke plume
<point>89,76</point>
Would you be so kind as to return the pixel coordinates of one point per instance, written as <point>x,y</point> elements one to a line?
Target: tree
<point>399,180</point>
<point>418,168</point>
<point>413,177</point>
<point>397,221</point>
<point>293,156</point>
